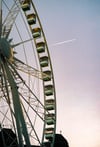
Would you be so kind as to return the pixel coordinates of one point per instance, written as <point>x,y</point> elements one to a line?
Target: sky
<point>72,30</point>
<point>76,66</point>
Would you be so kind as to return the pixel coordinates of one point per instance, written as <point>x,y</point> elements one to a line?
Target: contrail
<point>63,42</point>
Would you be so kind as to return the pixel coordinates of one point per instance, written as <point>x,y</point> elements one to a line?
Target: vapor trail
<point>63,42</point>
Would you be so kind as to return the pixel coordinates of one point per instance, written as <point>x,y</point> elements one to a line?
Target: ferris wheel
<point>27,88</point>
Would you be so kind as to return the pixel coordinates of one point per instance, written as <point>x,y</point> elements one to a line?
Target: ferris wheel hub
<point>5,49</point>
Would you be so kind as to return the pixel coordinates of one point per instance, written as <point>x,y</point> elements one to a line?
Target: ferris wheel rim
<point>50,104</point>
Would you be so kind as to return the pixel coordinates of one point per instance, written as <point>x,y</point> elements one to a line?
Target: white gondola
<point>41,48</point>
<point>31,18</point>
<point>49,90</point>
<point>44,61</point>
<point>50,118</point>
<point>36,32</point>
<point>25,4</point>
<point>49,133</point>
<point>48,75</point>
<point>49,104</point>
<point>49,130</point>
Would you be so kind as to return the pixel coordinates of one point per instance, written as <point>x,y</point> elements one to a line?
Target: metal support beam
<point>20,122</point>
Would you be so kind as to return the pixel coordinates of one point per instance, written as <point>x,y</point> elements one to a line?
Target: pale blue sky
<point>76,66</point>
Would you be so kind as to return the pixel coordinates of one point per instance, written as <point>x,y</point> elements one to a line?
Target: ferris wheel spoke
<point>26,88</point>
<point>5,116</point>
<point>6,86</point>
<point>20,43</point>
<point>33,129</point>
<point>41,117</point>
<point>10,18</point>
<point>6,98</point>
<point>30,70</point>
<point>0,18</point>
